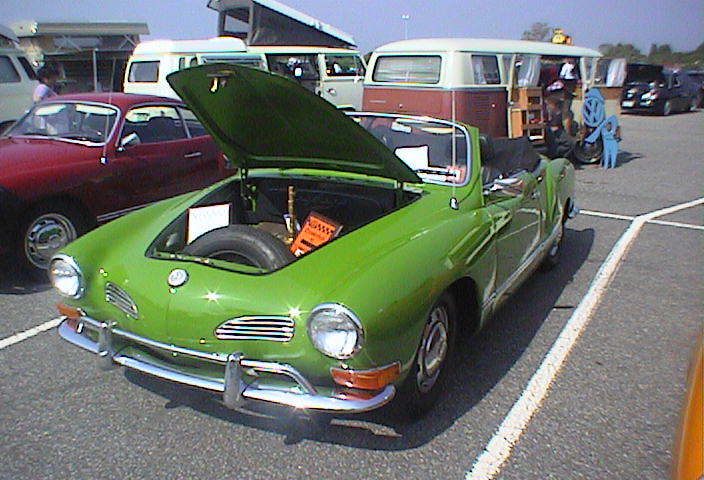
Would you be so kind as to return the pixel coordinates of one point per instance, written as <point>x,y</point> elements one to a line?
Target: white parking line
<point>18,337</point>
<point>616,216</point>
<point>677,224</point>
<point>592,213</point>
<point>498,450</point>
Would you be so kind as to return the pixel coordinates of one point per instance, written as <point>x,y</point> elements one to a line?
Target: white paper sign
<point>204,219</point>
<point>414,157</point>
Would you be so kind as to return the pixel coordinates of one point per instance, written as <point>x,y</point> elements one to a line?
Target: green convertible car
<point>334,270</point>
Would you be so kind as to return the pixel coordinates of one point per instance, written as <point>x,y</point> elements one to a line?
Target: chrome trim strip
<point>97,326</point>
<point>68,333</point>
<point>499,292</point>
<point>339,404</point>
<point>280,369</point>
<point>300,393</point>
<point>118,213</point>
<point>167,374</point>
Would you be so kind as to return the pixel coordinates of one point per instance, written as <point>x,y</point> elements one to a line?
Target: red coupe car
<point>75,161</point>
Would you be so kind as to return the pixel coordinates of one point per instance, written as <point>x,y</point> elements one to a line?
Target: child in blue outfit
<point>611,135</point>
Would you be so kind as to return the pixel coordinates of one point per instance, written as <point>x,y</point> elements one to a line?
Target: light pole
<point>405,18</point>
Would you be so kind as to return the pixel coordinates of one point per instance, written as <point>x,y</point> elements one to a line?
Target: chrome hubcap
<point>45,236</point>
<point>433,348</point>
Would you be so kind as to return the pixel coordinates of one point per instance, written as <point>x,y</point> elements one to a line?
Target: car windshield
<point>644,73</point>
<point>84,122</point>
<point>425,145</point>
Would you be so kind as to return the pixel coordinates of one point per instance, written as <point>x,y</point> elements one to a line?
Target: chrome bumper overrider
<point>295,392</point>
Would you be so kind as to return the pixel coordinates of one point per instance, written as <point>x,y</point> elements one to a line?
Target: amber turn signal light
<point>374,379</point>
<point>71,313</point>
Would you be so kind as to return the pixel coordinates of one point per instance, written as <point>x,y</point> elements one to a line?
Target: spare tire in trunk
<point>242,244</point>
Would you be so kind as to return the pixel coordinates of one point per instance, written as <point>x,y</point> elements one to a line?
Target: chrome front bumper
<point>295,392</point>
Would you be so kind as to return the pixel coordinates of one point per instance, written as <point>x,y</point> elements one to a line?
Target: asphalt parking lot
<point>607,408</point>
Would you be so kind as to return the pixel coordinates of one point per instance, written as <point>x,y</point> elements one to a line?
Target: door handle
<point>332,91</point>
<point>193,155</point>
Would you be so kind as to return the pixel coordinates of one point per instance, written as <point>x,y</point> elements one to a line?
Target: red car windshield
<point>85,122</point>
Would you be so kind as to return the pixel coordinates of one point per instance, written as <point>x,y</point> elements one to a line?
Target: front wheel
<point>666,108</point>
<point>588,152</point>
<point>45,230</point>
<point>424,383</point>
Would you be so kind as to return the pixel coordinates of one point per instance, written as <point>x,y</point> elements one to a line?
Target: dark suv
<point>651,88</point>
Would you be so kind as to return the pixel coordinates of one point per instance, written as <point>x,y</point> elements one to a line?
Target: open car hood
<point>265,120</point>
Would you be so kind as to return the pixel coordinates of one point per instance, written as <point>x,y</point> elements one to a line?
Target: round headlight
<point>65,276</point>
<point>335,331</point>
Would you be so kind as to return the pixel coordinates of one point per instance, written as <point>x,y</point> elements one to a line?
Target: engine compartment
<point>245,223</point>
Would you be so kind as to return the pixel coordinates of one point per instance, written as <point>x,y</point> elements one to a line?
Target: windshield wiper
<point>80,136</point>
<point>447,172</point>
<point>33,133</point>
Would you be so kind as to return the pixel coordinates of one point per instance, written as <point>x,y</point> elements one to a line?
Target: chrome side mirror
<point>129,140</point>
<point>510,186</point>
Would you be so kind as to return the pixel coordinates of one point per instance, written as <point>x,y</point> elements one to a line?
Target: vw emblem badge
<point>177,277</point>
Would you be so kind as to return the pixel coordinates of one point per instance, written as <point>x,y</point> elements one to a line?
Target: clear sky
<point>374,22</point>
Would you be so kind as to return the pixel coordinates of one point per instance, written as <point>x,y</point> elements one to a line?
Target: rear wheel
<point>588,152</point>
<point>424,383</point>
<point>694,104</point>
<point>555,251</point>
<point>242,244</point>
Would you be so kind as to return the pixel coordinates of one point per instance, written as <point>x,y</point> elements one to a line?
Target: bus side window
<point>486,70</point>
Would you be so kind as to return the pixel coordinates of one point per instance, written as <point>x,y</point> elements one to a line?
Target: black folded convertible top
<point>509,155</point>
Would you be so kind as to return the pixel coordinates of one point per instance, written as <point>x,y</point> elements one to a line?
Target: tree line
<point>658,54</point>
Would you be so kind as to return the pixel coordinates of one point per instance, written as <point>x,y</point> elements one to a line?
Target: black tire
<point>44,230</point>
<point>242,244</point>
<point>589,153</point>
<point>427,377</point>
<point>552,259</point>
<point>694,104</point>
<point>666,108</point>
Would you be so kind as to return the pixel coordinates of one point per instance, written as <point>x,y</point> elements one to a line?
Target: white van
<point>336,74</point>
<point>153,60</point>
<point>17,80</point>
